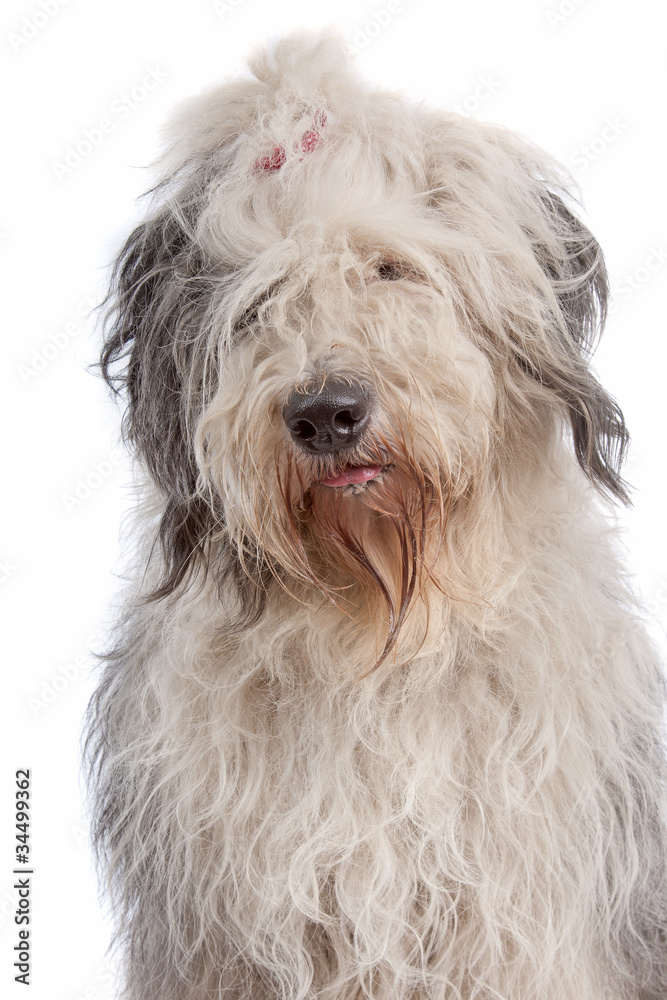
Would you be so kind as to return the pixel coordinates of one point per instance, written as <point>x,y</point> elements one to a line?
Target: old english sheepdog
<point>380,719</point>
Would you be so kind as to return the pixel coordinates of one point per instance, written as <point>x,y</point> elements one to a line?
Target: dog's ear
<point>573,263</point>
<point>155,350</point>
<point>508,202</point>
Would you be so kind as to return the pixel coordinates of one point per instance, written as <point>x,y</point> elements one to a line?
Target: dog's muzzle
<point>332,417</point>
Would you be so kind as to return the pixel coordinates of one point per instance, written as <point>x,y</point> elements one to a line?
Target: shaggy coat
<point>380,720</point>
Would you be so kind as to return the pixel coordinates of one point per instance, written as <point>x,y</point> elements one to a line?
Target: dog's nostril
<point>345,419</point>
<point>303,430</point>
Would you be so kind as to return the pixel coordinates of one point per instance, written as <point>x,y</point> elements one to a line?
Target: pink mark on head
<point>308,142</point>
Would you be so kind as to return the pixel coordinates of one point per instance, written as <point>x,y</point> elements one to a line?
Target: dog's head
<point>349,330</point>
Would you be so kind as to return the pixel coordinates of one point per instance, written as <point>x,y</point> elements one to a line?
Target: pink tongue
<point>356,474</point>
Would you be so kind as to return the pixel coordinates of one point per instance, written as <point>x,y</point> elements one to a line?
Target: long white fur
<point>482,816</point>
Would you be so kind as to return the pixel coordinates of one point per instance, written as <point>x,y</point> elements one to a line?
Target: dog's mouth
<point>354,475</point>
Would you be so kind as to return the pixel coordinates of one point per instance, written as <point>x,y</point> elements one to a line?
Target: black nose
<point>334,416</point>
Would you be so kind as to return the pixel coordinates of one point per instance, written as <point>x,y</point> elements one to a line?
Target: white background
<point>583,79</point>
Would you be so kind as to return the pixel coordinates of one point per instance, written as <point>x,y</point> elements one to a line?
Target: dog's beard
<point>370,547</point>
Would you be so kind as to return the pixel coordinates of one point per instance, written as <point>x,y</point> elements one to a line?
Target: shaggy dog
<point>380,720</point>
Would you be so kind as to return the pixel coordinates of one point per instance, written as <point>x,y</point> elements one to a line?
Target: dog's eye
<point>394,270</point>
<point>389,270</point>
<point>247,319</point>
<point>254,313</point>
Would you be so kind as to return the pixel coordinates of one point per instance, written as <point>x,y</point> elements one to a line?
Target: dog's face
<point>336,454</point>
<point>351,326</point>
